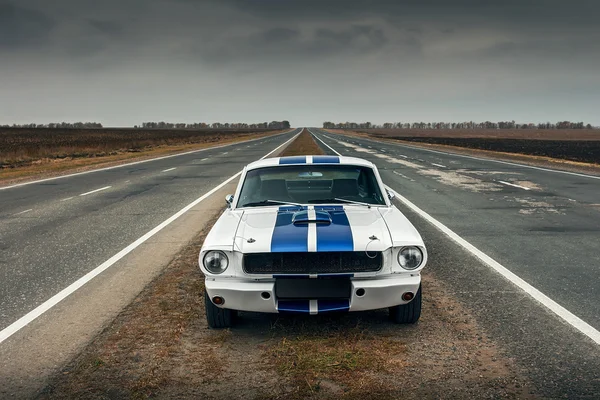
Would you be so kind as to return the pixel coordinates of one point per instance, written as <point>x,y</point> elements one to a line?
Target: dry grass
<point>22,146</point>
<point>303,145</point>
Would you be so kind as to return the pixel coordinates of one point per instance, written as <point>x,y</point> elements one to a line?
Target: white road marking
<point>170,169</point>
<point>68,198</point>
<point>63,294</point>
<point>140,162</point>
<point>404,176</point>
<point>225,152</point>
<point>517,186</point>
<point>402,155</point>
<point>438,165</point>
<point>23,212</point>
<point>544,300</point>
<point>94,191</point>
<point>204,159</point>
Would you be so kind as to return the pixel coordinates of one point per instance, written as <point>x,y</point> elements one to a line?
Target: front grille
<point>312,263</point>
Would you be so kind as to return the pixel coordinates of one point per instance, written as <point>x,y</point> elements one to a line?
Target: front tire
<point>218,318</point>
<point>407,313</point>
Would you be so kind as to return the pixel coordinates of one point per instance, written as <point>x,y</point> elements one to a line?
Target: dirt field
<point>22,146</point>
<point>581,145</point>
<point>35,157</point>
<point>531,134</point>
<point>161,347</point>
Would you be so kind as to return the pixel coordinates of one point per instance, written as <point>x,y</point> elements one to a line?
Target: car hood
<point>313,228</point>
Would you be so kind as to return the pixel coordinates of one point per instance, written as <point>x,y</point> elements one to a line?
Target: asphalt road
<point>542,225</point>
<point>54,232</point>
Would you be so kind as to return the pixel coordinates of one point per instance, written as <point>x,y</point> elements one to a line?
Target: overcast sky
<point>121,62</point>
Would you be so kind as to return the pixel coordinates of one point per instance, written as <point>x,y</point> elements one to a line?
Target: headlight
<point>410,258</point>
<point>215,262</point>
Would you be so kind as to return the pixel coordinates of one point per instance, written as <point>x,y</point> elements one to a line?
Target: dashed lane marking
<point>23,212</point>
<point>513,185</point>
<point>94,191</point>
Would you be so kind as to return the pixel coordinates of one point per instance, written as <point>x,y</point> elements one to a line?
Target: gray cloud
<point>21,27</point>
<point>344,59</point>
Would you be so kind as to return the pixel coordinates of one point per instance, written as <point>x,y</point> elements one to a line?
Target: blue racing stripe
<point>288,237</point>
<point>326,160</point>
<point>333,275</point>
<point>333,305</point>
<point>293,160</point>
<point>294,306</point>
<point>336,236</point>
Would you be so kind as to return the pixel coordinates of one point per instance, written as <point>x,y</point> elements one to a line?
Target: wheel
<point>407,313</point>
<point>216,317</point>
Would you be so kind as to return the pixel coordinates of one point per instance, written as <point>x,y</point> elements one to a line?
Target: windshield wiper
<point>270,202</point>
<point>358,203</point>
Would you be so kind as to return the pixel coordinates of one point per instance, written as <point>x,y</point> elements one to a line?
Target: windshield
<point>310,184</point>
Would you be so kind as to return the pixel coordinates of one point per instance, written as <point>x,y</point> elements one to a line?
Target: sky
<point>122,62</point>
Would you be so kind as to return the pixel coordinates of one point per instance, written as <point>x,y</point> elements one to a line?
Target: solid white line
<point>547,302</point>
<point>140,162</point>
<point>23,212</point>
<point>438,165</point>
<point>51,302</point>
<point>94,191</point>
<point>490,160</point>
<point>68,198</point>
<point>170,169</point>
<point>517,186</point>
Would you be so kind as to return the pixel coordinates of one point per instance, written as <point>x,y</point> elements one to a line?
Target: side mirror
<point>229,200</point>
<point>391,195</point>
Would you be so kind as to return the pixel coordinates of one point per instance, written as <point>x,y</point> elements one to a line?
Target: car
<point>312,235</point>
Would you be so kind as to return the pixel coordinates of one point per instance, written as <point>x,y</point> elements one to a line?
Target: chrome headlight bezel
<point>407,253</point>
<point>219,254</point>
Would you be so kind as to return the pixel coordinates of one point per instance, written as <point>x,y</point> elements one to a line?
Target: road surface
<point>55,231</point>
<point>542,225</point>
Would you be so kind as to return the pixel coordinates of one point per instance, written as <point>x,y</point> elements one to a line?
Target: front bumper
<point>259,296</point>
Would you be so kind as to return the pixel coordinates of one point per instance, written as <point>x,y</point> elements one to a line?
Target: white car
<point>312,235</point>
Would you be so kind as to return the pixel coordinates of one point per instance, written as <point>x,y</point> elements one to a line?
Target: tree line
<point>457,125</point>
<point>161,125</point>
<point>56,125</point>
<point>214,125</point>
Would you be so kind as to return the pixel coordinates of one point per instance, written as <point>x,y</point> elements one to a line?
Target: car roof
<point>300,160</point>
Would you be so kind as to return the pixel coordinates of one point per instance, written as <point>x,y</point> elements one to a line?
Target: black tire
<point>407,313</point>
<point>218,318</point>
